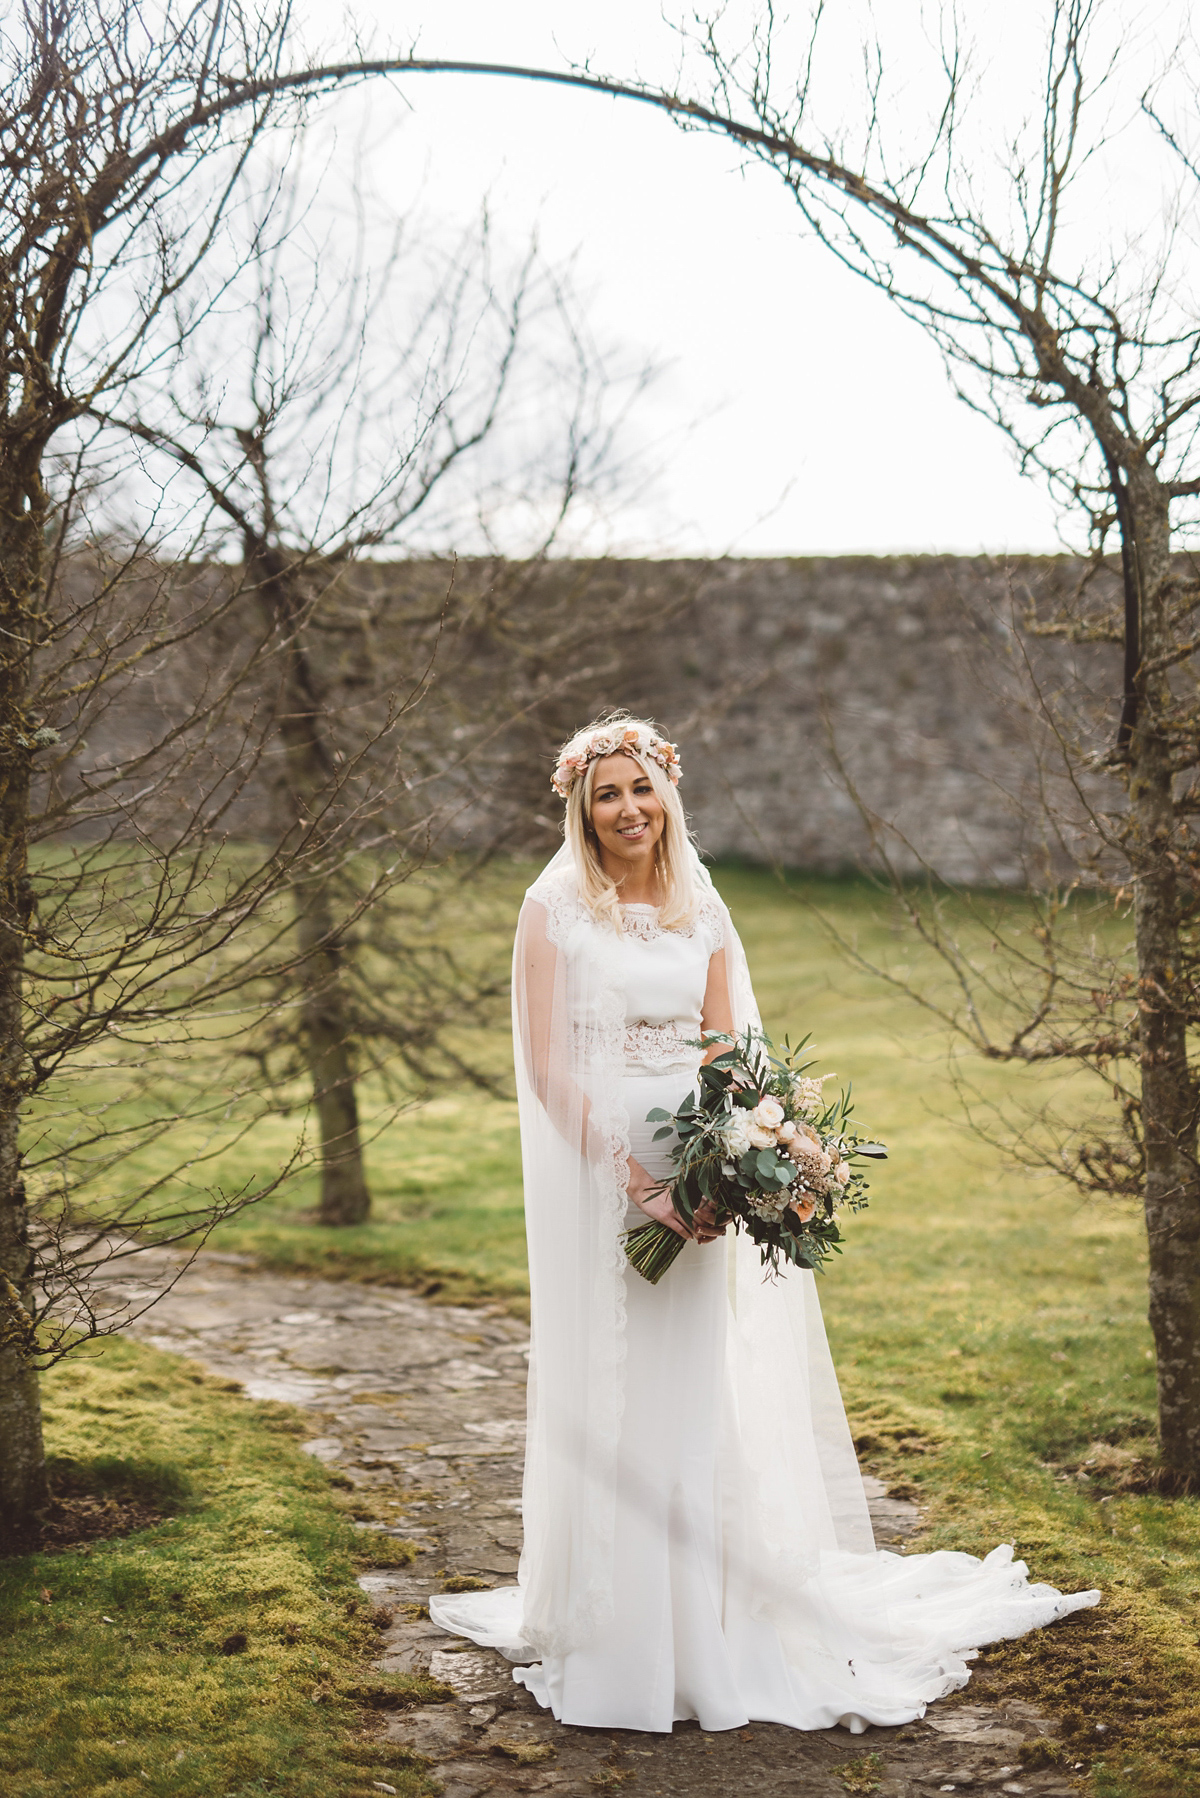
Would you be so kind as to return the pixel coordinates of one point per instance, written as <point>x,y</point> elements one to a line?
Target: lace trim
<point>641,921</point>
<point>659,1047</point>
<point>565,909</point>
<point>550,1627</point>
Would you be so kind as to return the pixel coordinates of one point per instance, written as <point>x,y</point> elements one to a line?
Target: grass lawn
<point>989,1327</point>
<point>218,1654</point>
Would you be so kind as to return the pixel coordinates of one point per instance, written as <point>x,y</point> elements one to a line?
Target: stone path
<point>421,1407</point>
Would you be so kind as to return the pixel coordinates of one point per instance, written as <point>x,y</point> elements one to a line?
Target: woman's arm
<point>716,1014</point>
<point>566,1105</point>
<point>546,1060</point>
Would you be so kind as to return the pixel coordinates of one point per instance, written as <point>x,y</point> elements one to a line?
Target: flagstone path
<point>423,1404</point>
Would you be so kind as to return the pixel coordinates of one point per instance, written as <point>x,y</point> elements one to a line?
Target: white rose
<point>768,1114</point>
<point>736,1135</point>
<point>760,1137</point>
<point>786,1130</point>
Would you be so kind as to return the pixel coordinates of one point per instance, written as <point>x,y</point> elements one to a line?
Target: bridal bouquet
<point>767,1150</point>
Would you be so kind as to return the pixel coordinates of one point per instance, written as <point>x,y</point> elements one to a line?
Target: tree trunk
<point>24,1493</point>
<point>327,1029</point>
<point>345,1197</point>
<point>1172,1188</point>
<point>23,1490</point>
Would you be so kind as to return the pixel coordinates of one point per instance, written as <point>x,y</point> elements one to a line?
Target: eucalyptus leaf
<point>704,1172</point>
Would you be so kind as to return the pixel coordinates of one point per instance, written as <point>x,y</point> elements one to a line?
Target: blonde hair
<point>677,887</point>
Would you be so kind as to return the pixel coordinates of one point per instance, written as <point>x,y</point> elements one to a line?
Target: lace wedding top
<point>664,974</point>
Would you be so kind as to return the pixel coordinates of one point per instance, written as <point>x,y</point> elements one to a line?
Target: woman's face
<point>627,815</point>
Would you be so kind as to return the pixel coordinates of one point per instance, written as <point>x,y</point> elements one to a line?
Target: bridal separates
<point>697,1543</point>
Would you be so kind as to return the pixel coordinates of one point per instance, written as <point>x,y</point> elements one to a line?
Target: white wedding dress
<point>697,1539</point>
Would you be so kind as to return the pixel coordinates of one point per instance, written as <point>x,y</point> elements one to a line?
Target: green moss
<point>861,1776</point>
<point>186,1659</point>
<point>375,1548</point>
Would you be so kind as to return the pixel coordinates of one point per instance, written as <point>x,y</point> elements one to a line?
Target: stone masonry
<point>802,692</point>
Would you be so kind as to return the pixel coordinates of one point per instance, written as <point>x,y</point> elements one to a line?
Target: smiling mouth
<point>632,830</point>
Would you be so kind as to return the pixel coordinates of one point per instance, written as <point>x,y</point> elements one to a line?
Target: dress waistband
<point>659,1048</point>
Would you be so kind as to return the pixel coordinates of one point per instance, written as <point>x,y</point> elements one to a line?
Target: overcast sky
<point>797,412</point>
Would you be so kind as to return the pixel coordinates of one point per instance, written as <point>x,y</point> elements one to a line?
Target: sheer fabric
<point>697,1540</point>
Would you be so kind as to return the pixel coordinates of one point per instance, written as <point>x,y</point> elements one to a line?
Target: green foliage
<point>221,1651</point>
<point>746,1073</point>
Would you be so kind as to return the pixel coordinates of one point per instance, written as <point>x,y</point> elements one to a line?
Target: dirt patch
<point>84,1518</point>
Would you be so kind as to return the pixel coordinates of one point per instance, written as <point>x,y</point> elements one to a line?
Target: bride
<point>697,1543</point>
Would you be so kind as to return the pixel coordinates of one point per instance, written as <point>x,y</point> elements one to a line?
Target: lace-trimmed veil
<point>569,1023</point>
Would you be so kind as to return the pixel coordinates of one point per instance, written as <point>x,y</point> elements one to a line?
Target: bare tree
<point>370,412</point>
<point>124,139</point>
<point>1086,353</point>
<point>1088,359</point>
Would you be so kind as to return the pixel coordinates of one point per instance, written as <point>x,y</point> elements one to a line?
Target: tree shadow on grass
<point>105,1496</point>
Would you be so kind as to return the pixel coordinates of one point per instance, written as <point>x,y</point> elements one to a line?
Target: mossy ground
<point>222,1652</point>
<point>989,1326</point>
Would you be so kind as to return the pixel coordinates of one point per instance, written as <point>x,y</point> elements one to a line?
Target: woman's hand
<point>707,1227</point>
<point>654,1198</point>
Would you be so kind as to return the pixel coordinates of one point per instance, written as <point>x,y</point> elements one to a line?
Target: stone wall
<point>809,697</point>
<point>804,693</point>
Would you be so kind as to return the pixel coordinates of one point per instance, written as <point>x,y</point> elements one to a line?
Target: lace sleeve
<point>557,893</point>
<point>711,919</point>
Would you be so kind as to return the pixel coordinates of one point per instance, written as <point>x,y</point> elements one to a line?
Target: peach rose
<point>803,1208</point>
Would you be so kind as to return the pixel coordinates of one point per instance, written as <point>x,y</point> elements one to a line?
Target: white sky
<point>798,412</point>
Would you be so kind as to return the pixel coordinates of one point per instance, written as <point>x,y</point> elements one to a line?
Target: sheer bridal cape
<point>696,1536</point>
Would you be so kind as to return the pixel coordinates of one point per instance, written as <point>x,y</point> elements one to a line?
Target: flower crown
<point>612,739</point>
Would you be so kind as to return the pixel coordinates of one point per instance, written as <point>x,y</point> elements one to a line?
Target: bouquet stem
<point>651,1249</point>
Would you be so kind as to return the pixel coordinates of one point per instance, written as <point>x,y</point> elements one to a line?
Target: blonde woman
<point>697,1542</point>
